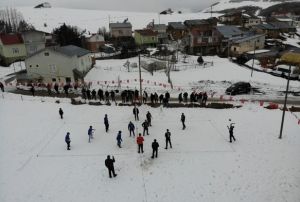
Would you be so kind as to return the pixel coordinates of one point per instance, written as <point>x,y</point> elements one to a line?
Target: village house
<point>231,18</point>
<point>34,41</point>
<point>176,30</point>
<point>250,20</point>
<point>161,30</point>
<point>296,21</point>
<point>226,34</point>
<point>12,48</point>
<point>59,64</point>
<point>94,42</point>
<point>118,29</point>
<point>269,30</point>
<point>146,37</point>
<point>202,37</point>
<point>283,26</point>
<point>244,44</point>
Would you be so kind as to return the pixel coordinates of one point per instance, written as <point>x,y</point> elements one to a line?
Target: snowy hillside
<point>48,19</point>
<point>229,4</point>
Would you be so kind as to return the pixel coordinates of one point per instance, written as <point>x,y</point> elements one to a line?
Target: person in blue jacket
<point>68,140</point>
<point>106,122</point>
<point>90,133</point>
<point>119,139</point>
<point>131,128</point>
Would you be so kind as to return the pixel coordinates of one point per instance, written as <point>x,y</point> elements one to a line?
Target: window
<point>52,68</point>
<point>15,50</point>
<point>54,79</point>
<point>33,49</point>
<point>46,54</point>
<point>30,65</point>
<point>36,65</point>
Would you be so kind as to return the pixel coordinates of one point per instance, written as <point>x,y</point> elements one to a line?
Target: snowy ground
<point>202,166</point>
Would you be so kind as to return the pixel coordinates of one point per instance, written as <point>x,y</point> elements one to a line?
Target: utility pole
<point>285,99</point>
<point>140,74</point>
<point>253,58</point>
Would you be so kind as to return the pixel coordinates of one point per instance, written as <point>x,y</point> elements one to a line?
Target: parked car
<point>283,71</point>
<point>239,88</point>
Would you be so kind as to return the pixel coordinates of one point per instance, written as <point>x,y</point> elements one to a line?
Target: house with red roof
<point>12,48</point>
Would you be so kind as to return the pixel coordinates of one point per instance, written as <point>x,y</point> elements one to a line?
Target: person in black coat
<point>161,97</point>
<point>155,146</point>
<point>167,96</point>
<point>155,97</point>
<point>68,140</point>
<point>66,89</point>
<point>2,87</point>
<point>183,121</point>
<point>61,113</point>
<point>94,94</point>
<point>131,128</point>
<point>185,96</point>
<point>106,123</point>
<point>109,163</point>
<point>113,95</point>
<point>100,94</point>
<point>136,113</point>
<point>180,99</point>
<point>32,90</point>
<point>145,125</point>
<point>88,94</point>
<point>106,96</point>
<point>230,128</point>
<point>149,117</point>
<point>83,93</point>
<point>56,88</point>
<point>168,139</point>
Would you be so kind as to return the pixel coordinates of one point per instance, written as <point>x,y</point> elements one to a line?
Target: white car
<point>283,71</point>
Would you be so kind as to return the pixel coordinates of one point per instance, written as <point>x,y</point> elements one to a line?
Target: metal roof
<point>177,25</point>
<point>247,38</point>
<point>229,31</point>
<point>72,50</point>
<point>120,25</point>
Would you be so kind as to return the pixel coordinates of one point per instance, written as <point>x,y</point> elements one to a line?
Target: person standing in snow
<point>230,128</point>
<point>168,139</point>
<point>140,142</point>
<point>109,163</point>
<point>106,123</point>
<point>149,117</point>
<point>68,140</point>
<point>183,121</point>
<point>155,146</point>
<point>145,125</point>
<point>2,87</point>
<point>32,90</point>
<point>136,113</point>
<point>180,99</point>
<point>131,128</point>
<point>90,133</point>
<point>119,139</point>
<point>61,113</point>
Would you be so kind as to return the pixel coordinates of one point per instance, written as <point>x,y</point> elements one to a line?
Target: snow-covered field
<point>202,166</point>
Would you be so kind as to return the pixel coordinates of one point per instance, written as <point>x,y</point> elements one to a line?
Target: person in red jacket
<point>140,141</point>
